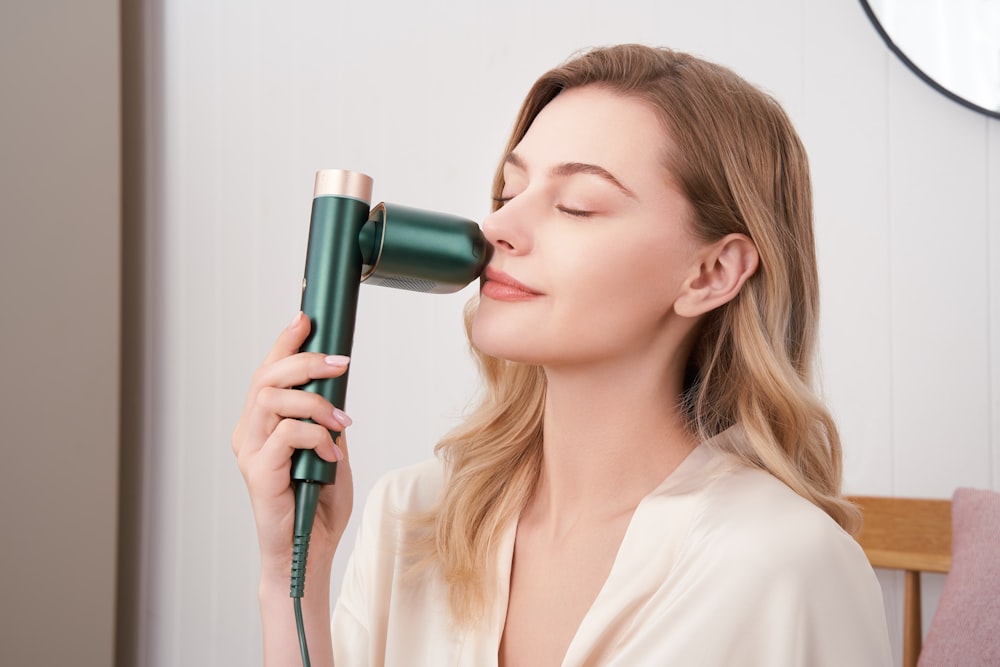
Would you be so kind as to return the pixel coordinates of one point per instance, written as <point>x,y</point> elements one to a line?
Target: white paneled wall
<point>247,99</point>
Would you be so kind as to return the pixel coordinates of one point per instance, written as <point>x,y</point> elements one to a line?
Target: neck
<point>612,435</point>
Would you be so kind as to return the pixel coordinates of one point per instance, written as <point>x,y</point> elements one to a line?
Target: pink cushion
<point>965,629</point>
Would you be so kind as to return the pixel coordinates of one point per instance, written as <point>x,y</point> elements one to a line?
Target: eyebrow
<point>572,168</point>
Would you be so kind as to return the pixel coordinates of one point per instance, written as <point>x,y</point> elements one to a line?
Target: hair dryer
<point>389,245</point>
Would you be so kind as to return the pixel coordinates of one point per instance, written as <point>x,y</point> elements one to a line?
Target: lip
<point>504,287</point>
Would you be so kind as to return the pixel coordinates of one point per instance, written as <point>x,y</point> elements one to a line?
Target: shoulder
<point>379,599</point>
<point>394,506</point>
<point>414,488</point>
<point>730,566</point>
<point>778,561</point>
<point>751,513</point>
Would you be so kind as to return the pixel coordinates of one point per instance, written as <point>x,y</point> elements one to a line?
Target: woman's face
<point>592,245</point>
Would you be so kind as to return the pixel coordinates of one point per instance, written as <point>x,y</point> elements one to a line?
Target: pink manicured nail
<point>337,360</point>
<point>338,452</point>
<point>295,320</point>
<point>342,417</point>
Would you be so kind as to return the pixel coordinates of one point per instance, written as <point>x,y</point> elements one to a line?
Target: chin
<point>488,340</point>
<point>497,338</point>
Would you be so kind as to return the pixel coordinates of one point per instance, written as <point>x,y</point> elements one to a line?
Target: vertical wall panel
<point>843,125</point>
<point>243,135</point>
<point>939,286</point>
<point>993,222</point>
<point>940,296</point>
<point>778,68</point>
<point>166,582</point>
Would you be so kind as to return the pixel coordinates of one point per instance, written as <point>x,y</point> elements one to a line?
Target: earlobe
<point>725,267</point>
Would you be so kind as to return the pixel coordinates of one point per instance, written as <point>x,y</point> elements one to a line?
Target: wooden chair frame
<point>913,535</point>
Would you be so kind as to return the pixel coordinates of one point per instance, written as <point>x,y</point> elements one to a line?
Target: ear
<point>725,265</point>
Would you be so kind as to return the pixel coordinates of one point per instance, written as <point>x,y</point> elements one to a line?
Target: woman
<point>649,478</point>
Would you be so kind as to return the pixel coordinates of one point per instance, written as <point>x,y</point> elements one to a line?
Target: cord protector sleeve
<point>306,502</point>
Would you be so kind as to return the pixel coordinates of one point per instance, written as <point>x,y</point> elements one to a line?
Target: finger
<point>273,405</point>
<point>291,435</point>
<point>261,415</point>
<point>340,446</point>
<point>298,369</point>
<point>291,339</point>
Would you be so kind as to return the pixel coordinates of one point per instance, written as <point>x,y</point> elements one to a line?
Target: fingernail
<point>338,452</point>
<point>337,360</point>
<point>295,320</point>
<point>342,417</point>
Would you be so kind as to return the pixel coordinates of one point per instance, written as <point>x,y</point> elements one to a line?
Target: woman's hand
<point>267,434</point>
<point>269,431</point>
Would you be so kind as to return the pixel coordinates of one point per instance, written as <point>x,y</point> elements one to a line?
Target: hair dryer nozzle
<point>421,251</point>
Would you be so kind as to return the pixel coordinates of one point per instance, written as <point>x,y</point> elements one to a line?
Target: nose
<point>506,231</point>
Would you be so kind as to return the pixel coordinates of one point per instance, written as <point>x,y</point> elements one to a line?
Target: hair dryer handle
<point>330,300</point>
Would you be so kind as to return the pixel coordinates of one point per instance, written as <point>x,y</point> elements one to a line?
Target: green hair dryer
<point>392,246</point>
<point>389,245</point>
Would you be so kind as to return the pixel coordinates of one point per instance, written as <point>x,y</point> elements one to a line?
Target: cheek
<point>618,275</point>
<point>634,287</point>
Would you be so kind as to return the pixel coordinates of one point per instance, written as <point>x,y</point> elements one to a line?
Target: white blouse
<point>722,564</point>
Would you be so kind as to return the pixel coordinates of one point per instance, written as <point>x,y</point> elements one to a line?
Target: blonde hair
<point>743,168</point>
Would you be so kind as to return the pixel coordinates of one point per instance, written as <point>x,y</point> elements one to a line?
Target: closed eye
<point>576,213</point>
<point>499,202</point>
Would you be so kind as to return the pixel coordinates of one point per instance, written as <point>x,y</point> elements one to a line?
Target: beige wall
<point>60,232</point>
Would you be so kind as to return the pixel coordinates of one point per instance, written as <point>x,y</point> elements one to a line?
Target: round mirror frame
<point>919,72</point>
